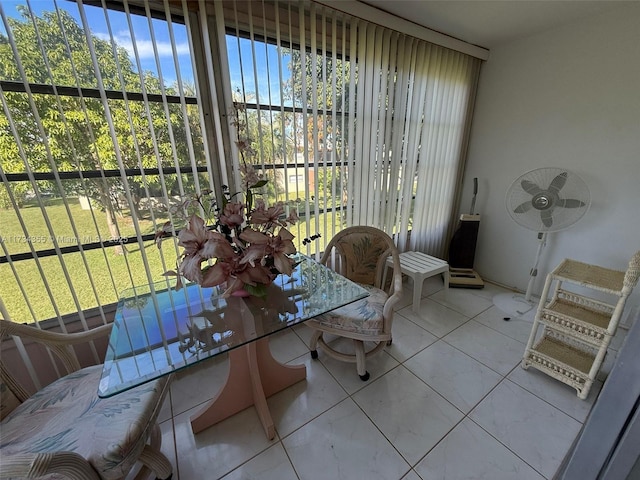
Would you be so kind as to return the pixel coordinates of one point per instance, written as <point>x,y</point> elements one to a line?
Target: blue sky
<point>122,34</point>
<point>266,58</point>
<point>266,66</point>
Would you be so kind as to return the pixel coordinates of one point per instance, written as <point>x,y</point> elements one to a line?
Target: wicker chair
<point>360,254</point>
<point>65,431</point>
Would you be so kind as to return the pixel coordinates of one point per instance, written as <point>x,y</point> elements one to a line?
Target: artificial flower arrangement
<point>246,243</point>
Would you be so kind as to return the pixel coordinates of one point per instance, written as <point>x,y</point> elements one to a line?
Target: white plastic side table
<point>420,266</point>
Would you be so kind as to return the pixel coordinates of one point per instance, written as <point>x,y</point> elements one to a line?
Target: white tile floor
<point>447,400</point>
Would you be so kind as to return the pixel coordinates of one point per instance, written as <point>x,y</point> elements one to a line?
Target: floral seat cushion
<point>68,415</point>
<point>363,316</point>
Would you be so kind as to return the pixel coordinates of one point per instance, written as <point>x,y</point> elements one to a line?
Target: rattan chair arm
<point>59,343</point>
<point>53,338</point>
<point>390,304</point>
<point>34,465</point>
<point>396,285</point>
<point>14,386</point>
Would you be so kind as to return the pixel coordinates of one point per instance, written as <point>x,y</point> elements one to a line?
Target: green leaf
<point>259,184</point>
<point>249,200</point>
<point>258,290</point>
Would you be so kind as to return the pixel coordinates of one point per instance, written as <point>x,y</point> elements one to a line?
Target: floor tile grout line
<point>476,360</point>
<point>173,431</point>
<point>464,415</point>
<point>432,333</point>
<point>399,363</point>
<point>514,368</point>
<point>499,331</point>
<point>497,439</point>
<point>286,452</point>
<point>412,467</point>
<point>378,428</point>
<point>543,399</point>
<point>504,445</point>
<point>468,416</point>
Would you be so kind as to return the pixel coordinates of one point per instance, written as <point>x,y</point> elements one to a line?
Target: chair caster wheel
<point>314,354</point>
<point>364,377</point>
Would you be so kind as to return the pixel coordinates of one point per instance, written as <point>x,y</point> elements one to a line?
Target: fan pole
<point>542,237</point>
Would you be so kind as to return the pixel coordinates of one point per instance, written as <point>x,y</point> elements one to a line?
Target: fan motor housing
<point>542,201</point>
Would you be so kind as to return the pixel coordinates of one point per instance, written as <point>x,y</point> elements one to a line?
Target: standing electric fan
<point>543,200</point>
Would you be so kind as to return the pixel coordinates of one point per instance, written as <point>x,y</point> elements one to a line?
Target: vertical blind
<point>376,119</point>
<point>99,143</point>
<point>111,117</point>
<point>101,140</point>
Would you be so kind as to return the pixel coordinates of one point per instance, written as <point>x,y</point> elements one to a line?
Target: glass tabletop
<point>158,329</point>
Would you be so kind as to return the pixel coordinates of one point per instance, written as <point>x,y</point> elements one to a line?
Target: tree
<point>75,135</point>
<point>323,136</point>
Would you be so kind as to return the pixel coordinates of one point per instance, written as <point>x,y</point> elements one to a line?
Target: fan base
<point>515,304</point>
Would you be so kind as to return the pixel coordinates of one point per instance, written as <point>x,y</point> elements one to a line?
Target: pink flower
<point>241,274</point>
<point>250,175</point>
<point>216,274</point>
<point>258,242</point>
<point>244,147</point>
<point>199,245</point>
<point>217,246</point>
<point>190,268</point>
<point>267,216</point>
<point>199,241</point>
<point>238,268</point>
<point>233,284</point>
<point>279,246</point>
<point>293,217</point>
<point>165,231</point>
<point>193,236</point>
<point>254,275</point>
<point>243,144</point>
<point>240,247</point>
<point>233,215</point>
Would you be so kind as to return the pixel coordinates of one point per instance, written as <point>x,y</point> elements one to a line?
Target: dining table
<point>159,329</point>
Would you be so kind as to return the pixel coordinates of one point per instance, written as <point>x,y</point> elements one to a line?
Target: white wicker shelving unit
<point>577,329</point>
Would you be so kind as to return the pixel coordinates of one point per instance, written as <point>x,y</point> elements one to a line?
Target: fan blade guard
<point>570,203</point>
<point>567,199</point>
<point>530,187</point>
<point>558,182</point>
<point>524,207</point>
<point>547,217</point>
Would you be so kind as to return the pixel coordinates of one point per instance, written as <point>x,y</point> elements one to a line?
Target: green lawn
<point>111,273</point>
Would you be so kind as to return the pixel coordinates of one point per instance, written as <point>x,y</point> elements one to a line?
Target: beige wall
<point>567,98</point>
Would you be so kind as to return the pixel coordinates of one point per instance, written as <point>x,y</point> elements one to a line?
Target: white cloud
<point>145,47</point>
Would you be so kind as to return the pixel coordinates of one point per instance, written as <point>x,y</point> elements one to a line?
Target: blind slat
<point>366,126</point>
